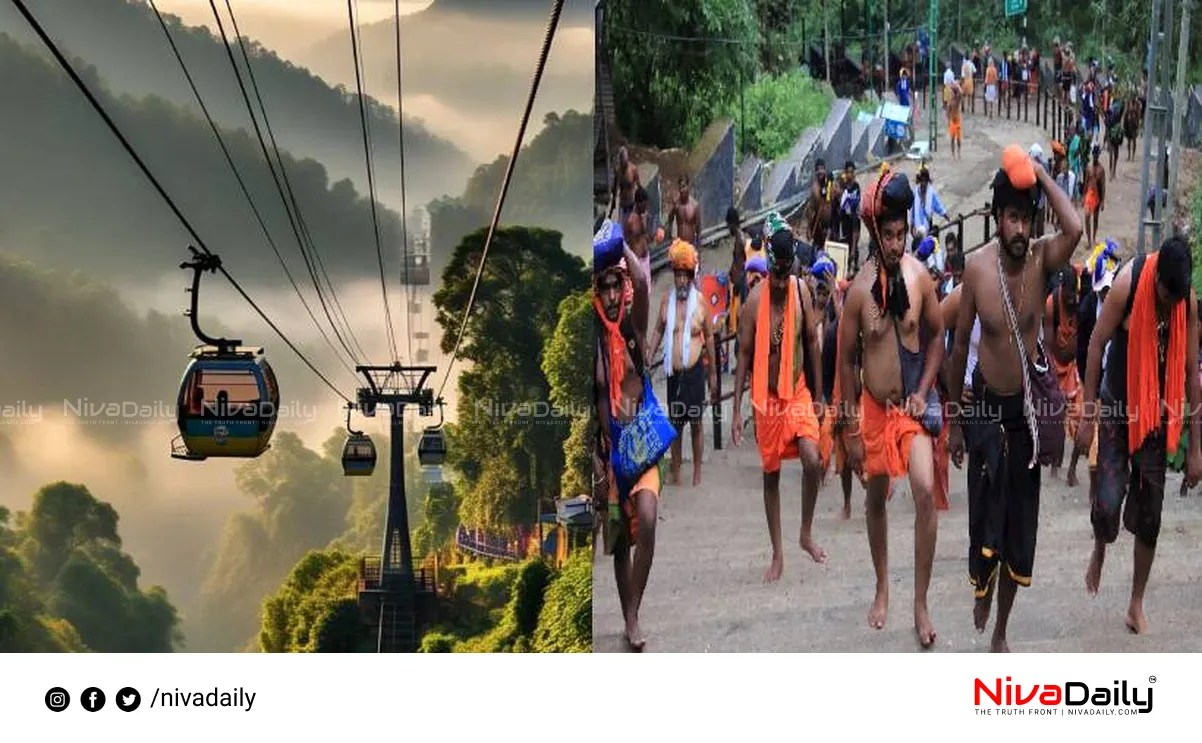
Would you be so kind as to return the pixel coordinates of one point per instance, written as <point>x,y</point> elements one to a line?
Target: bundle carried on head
<point>608,247</point>
<point>887,199</point>
<point>824,268</point>
<point>682,256</point>
<point>1015,184</point>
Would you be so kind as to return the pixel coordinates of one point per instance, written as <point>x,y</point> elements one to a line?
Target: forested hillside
<point>311,118</point>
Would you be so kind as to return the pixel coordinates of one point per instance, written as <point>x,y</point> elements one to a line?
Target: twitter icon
<point>128,699</point>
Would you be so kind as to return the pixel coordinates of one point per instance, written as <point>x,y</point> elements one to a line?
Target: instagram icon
<point>57,699</point>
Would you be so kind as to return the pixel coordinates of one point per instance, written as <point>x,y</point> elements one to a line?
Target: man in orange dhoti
<point>891,431</point>
<point>777,336</point>
<point>1060,332</point>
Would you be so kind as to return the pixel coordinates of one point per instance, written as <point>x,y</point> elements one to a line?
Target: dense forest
<point>69,190</point>
<point>66,585</point>
<point>678,67</point>
<point>311,118</point>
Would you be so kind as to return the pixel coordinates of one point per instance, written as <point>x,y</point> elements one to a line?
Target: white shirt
<point>973,342</point>
<point>949,77</point>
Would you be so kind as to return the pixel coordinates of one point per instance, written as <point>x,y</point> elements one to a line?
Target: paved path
<point>706,591</point>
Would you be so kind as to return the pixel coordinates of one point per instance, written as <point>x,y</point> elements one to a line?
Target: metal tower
<point>1154,176</point>
<point>395,597</point>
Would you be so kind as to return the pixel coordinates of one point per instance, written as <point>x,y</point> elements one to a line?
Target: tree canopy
<point>66,585</point>
<point>506,443</point>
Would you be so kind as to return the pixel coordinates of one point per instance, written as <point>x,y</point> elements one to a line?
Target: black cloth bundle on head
<point>781,248</point>
<point>889,199</point>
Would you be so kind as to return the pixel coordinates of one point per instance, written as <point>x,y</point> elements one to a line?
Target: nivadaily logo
<point>1071,697</point>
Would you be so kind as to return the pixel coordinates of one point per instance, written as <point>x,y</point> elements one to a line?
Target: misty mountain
<point>78,339</point>
<point>575,12</point>
<point>475,57</point>
<point>70,196</point>
<point>126,44</point>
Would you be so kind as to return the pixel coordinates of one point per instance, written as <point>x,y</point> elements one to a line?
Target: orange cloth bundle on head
<point>1018,166</point>
<point>682,256</point>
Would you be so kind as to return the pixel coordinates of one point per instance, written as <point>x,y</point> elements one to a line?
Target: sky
<point>289,26</point>
<point>293,28</point>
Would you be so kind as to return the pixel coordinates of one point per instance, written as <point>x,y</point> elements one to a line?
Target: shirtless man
<point>822,205</point>
<point>890,432</point>
<point>778,337</point>
<point>955,120</point>
<point>626,180</point>
<point>1133,118</point>
<point>1060,326</point>
<point>636,229</point>
<point>1095,194</point>
<point>1150,320</point>
<point>684,320</point>
<point>685,214</point>
<point>1003,474</point>
<point>619,376</point>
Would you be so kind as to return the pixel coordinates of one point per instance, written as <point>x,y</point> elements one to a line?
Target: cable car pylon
<point>396,598</point>
<point>229,398</point>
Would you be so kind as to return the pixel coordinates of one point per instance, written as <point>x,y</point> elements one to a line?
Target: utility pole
<point>934,89</point>
<point>1179,103</point>
<point>826,42</point>
<point>886,48</point>
<point>1158,89</point>
<point>393,596</point>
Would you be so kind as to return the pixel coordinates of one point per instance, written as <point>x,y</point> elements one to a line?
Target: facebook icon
<point>92,699</point>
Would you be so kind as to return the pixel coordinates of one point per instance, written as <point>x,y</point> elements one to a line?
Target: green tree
<point>565,624</point>
<point>70,541</point>
<point>567,365</point>
<point>309,613</point>
<point>669,86</point>
<point>508,451</point>
<point>440,511</point>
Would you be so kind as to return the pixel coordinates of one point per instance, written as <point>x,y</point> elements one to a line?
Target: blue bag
<point>641,443</point>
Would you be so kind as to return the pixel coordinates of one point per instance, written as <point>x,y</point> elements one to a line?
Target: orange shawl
<point>1143,387</point>
<point>763,337</point>
<point>616,351</point>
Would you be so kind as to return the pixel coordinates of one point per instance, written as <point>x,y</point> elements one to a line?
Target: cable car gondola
<point>358,453</point>
<point>228,398</point>
<point>432,449</point>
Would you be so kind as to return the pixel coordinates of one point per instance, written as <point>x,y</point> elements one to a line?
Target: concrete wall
<point>649,177</point>
<point>749,185</point>
<point>789,174</point>
<point>712,166</point>
<point>836,134</point>
<point>859,140</point>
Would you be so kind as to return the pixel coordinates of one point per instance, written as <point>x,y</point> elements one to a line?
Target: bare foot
<point>981,609</point>
<point>811,547</point>
<point>1071,480</point>
<point>634,635</point>
<point>1055,473</point>
<point>923,627</point>
<point>879,612</point>
<point>1093,574</point>
<point>999,645</point>
<point>775,568</point>
<point>846,512</point>
<point>1136,621</point>
<point>697,478</point>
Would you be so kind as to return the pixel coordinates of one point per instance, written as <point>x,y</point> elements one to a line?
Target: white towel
<point>670,330</point>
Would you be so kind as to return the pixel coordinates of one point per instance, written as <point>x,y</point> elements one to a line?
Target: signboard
<point>838,253</point>
<point>1015,7</point>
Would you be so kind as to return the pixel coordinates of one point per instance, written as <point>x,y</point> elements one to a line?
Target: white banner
<point>497,698</point>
